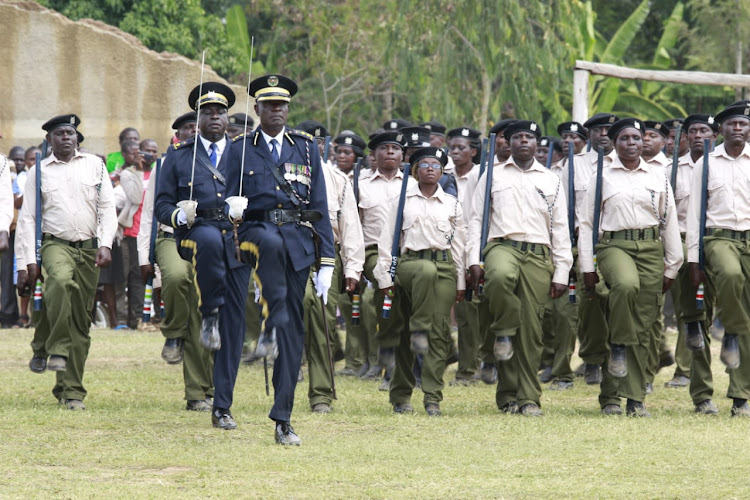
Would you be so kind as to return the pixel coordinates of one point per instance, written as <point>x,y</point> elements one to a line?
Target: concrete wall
<point>50,65</point>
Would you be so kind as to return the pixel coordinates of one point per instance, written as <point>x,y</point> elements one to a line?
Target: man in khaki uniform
<point>727,255</point>
<point>374,191</point>
<point>78,226</point>
<point>593,331</point>
<point>182,322</point>
<point>692,323</point>
<point>347,235</point>
<point>654,140</point>
<point>527,259</point>
<point>464,146</point>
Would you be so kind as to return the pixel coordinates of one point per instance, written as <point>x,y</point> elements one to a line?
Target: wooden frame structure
<point>583,69</point>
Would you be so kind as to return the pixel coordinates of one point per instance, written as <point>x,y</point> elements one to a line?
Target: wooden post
<point>580,95</point>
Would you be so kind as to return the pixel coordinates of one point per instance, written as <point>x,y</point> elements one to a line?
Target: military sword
<point>571,215</point>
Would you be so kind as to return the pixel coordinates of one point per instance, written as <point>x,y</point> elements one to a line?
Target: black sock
<point>739,402</point>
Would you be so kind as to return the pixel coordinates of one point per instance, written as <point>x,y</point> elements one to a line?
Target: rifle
<point>702,227</point>
<point>675,158</point>
<point>482,157</point>
<point>396,247</point>
<point>327,149</point>
<point>598,197</point>
<point>571,215</point>
<point>486,215</point>
<point>148,297</point>
<point>38,188</point>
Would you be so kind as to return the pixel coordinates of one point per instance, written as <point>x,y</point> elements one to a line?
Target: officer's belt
<point>211,214</point>
<point>436,255</point>
<point>649,233</point>
<point>728,233</point>
<point>164,234</point>
<point>89,243</point>
<point>281,216</point>
<point>523,246</point>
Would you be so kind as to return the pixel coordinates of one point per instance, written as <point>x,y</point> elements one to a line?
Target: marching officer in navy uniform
<point>204,236</point>
<point>285,228</point>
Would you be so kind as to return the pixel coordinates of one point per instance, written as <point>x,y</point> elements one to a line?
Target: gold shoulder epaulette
<point>301,133</point>
<point>238,137</point>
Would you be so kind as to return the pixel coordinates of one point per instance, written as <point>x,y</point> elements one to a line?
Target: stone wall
<point>50,65</point>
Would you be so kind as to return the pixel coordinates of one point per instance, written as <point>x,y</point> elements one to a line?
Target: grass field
<point>136,440</point>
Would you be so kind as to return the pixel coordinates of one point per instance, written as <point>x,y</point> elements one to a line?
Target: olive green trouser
<point>728,270</point>
<point>388,331</point>
<point>320,389</point>
<point>360,347</point>
<point>182,320</point>
<point>469,338</point>
<point>633,271</point>
<point>428,290</point>
<point>517,285</point>
<point>559,336</point>
<point>701,379</point>
<point>70,279</point>
<point>593,330</point>
<point>682,287</point>
<point>657,344</point>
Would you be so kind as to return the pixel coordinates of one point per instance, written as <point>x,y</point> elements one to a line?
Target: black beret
<point>522,126</point>
<point>388,137</point>
<point>435,128</point>
<point>620,125</point>
<point>656,127</point>
<point>672,123</point>
<point>239,119</point>
<point>573,128</point>
<point>211,93</point>
<point>700,118</point>
<point>272,88</point>
<point>600,120</point>
<point>739,108</point>
<point>501,125</point>
<point>395,124</point>
<point>416,137</point>
<point>70,120</point>
<point>549,140</point>
<point>466,132</point>
<point>315,129</point>
<point>353,141</point>
<point>181,120</point>
<point>80,137</point>
<point>429,152</point>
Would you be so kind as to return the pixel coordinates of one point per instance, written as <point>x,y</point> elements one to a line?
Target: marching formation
<point>535,243</point>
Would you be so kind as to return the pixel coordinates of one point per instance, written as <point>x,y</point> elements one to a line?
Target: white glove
<point>188,210</point>
<point>237,206</point>
<point>257,293</point>
<point>322,281</point>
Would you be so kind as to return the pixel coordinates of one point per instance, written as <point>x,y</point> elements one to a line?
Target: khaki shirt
<point>375,193</point>
<point>466,185</point>
<point>728,200</point>
<point>347,230</point>
<point>77,204</point>
<point>435,223</point>
<point>630,199</point>
<point>584,166</point>
<point>6,194</point>
<point>686,167</point>
<point>521,213</point>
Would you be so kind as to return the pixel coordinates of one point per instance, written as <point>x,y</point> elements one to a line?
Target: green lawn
<point>136,440</point>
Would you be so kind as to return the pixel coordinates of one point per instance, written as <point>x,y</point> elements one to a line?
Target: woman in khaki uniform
<point>429,278</point>
<point>639,254</point>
